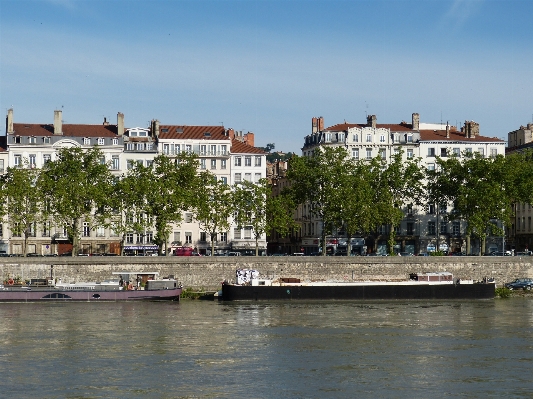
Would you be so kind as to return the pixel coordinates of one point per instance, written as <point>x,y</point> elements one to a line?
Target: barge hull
<point>13,295</point>
<point>362,292</point>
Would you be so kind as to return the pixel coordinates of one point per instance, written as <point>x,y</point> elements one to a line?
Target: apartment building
<point>423,229</point>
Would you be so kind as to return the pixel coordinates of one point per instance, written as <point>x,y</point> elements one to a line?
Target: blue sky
<point>268,66</point>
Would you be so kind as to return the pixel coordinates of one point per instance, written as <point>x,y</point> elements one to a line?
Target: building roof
<point>238,147</point>
<point>440,135</point>
<point>183,132</point>
<point>35,129</point>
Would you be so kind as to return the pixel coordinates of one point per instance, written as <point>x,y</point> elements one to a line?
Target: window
<point>101,141</point>
<point>188,237</point>
<point>355,138</point>
<point>166,149</point>
<point>247,232</point>
<point>213,164</point>
<point>383,153</point>
<point>431,166</point>
<point>1,166</point>
<point>409,138</point>
<point>149,237</point>
<point>431,152</point>
<point>188,148</point>
<point>203,236</point>
<point>328,137</point>
<point>341,137</point>
<point>140,238</point>
<point>188,217</point>
<point>410,154</point>
<point>468,151</point>
<point>457,152</point>
<point>129,163</point>
<point>224,149</point>
<point>456,228</point>
<point>203,149</point>
<point>115,141</point>
<point>355,153</point>
<point>1,230</point>
<point>32,140</point>
<point>410,210</point>
<point>149,146</point>
<point>368,138</point>
<point>223,236</point>
<point>100,231</point>
<point>257,161</point>
<point>202,163</point>
<point>237,233</point>
<point>237,177</point>
<point>481,151</point>
<point>410,226</point>
<point>32,160</point>
<point>46,229</point>
<point>493,152</point>
<point>431,209</point>
<point>17,160</point>
<point>237,161</point>
<point>222,164</point>
<point>224,179</point>
<point>248,177</point>
<point>46,140</point>
<point>115,165</point>
<point>247,161</point>
<point>443,152</point>
<point>86,141</point>
<point>213,150</point>
<point>129,238</point>
<point>140,147</point>
<point>443,228</point>
<point>86,229</point>
<point>431,228</point>
<point>369,153</point>
<point>382,138</point>
<point>177,237</point>
<point>257,177</point>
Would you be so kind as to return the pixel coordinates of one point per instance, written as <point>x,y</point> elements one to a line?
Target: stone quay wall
<point>207,273</point>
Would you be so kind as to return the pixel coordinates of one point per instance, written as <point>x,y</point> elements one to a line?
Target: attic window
<point>179,130</point>
<point>165,130</point>
<point>207,134</point>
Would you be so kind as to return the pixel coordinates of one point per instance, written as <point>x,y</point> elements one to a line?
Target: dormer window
<point>46,140</point>
<point>32,140</point>
<point>115,141</point>
<point>101,141</point>
<point>86,141</point>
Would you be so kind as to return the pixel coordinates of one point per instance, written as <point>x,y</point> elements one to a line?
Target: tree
<point>280,212</point>
<point>213,205</point>
<point>20,201</point>
<point>317,180</point>
<point>480,191</point>
<point>77,187</point>
<point>400,182</point>
<point>250,207</point>
<point>170,187</point>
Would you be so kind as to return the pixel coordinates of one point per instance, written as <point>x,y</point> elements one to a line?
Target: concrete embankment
<point>208,272</point>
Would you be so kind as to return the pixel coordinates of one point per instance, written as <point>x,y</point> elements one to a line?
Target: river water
<point>197,349</point>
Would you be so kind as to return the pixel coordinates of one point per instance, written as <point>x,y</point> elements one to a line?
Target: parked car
<point>500,253</point>
<point>234,254</point>
<point>405,254</point>
<point>520,283</point>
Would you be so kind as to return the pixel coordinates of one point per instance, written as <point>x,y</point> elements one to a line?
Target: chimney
<point>231,133</point>
<point>120,124</point>
<point>249,139</point>
<point>9,121</point>
<point>320,123</point>
<point>447,130</point>
<point>314,125</point>
<point>58,123</point>
<point>371,120</point>
<point>471,129</point>
<point>106,123</point>
<point>415,121</point>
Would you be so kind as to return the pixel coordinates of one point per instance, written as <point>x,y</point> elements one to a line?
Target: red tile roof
<point>432,135</point>
<point>33,129</point>
<point>238,147</point>
<point>192,132</point>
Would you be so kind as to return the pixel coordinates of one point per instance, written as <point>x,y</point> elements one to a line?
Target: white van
<point>234,254</point>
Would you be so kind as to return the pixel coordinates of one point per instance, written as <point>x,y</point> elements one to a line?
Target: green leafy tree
<point>213,206</point>
<point>76,187</point>
<point>169,187</point>
<point>317,180</point>
<point>250,207</point>
<point>20,201</point>
<point>280,213</point>
<point>480,191</point>
<point>401,181</point>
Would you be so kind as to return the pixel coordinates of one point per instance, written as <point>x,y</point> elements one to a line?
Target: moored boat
<point>126,288</point>
<point>437,285</point>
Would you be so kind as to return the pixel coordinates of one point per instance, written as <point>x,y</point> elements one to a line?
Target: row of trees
<point>358,196</point>
<point>77,188</point>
